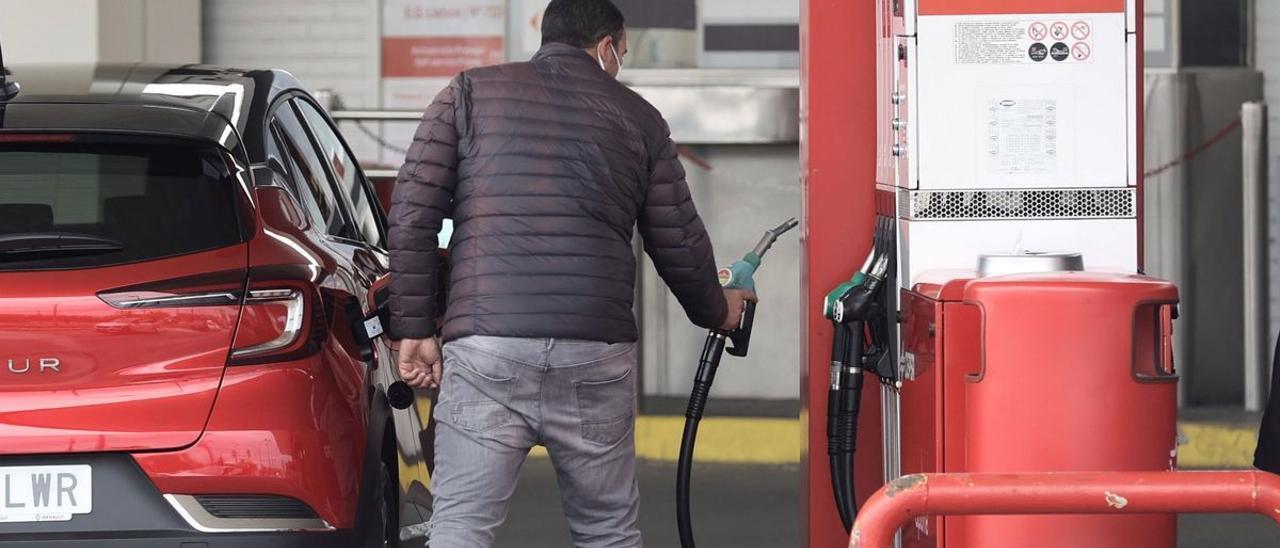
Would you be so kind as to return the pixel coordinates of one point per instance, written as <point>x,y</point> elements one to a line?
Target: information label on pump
<point>1022,136</point>
<point>1013,42</point>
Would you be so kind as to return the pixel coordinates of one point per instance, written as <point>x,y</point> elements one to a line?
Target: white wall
<point>88,31</point>
<point>327,44</point>
<point>65,31</point>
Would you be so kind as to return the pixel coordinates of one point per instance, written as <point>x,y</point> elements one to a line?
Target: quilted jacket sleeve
<point>677,241</point>
<point>419,204</point>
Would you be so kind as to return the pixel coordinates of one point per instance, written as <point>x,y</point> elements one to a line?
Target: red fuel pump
<point>1008,126</point>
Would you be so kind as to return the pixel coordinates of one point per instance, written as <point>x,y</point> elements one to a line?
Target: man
<point>1266,456</point>
<point>546,168</point>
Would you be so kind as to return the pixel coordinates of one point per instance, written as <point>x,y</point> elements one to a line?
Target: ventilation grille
<point>255,507</point>
<point>958,205</point>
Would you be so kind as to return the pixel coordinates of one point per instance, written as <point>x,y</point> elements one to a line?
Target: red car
<point>191,271</point>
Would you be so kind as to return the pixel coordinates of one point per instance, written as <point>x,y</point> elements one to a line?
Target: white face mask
<point>616,57</point>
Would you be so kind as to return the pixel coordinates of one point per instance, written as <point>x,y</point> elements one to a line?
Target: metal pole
<point>377,115</point>
<point>1113,493</point>
<point>1257,336</point>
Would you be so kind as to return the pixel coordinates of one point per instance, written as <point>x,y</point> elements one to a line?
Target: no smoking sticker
<point>1081,51</point>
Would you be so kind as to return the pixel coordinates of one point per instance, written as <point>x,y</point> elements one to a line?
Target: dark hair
<point>581,23</point>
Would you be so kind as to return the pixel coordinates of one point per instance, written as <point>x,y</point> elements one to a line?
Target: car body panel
<point>112,390</point>
<point>283,429</point>
<point>299,427</point>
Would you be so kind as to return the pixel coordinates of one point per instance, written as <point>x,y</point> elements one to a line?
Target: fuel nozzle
<point>856,311</point>
<point>741,275</point>
<point>861,302</point>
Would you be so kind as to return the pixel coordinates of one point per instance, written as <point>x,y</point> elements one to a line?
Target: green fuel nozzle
<point>865,281</point>
<point>741,275</point>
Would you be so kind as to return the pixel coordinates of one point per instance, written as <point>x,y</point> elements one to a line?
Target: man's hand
<point>737,300</point>
<point>420,363</point>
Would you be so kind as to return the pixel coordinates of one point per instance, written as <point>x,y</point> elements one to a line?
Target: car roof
<point>198,101</point>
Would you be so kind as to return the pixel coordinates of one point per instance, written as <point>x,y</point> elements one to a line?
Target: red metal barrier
<point>1062,493</point>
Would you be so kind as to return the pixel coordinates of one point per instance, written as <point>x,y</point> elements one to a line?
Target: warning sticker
<point>1081,51</point>
<point>1022,136</point>
<point>1008,42</point>
<point>1081,30</point>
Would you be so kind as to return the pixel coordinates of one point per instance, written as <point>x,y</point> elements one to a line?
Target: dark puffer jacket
<point>545,167</point>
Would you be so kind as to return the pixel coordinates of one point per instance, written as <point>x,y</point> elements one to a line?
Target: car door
<point>370,260</point>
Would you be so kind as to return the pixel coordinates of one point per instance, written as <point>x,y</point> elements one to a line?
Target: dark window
<point>659,14</point>
<point>308,173</point>
<point>287,172</point>
<point>1215,33</point>
<point>102,200</point>
<point>784,37</point>
<point>345,172</point>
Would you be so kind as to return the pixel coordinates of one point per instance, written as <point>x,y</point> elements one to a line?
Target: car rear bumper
<point>128,511</point>
<point>336,539</point>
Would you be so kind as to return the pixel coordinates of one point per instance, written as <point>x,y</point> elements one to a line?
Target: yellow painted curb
<point>1210,445</point>
<point>743,440</point>
<point>720,440</point>
<point>723,440</point>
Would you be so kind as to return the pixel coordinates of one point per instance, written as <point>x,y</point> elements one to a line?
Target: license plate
<point>45,493</point>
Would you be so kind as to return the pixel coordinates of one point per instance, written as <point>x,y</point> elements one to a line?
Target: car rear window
<point>94,201</point>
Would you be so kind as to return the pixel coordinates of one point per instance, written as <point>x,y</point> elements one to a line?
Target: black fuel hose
<point>843,406</point>
<point>840,344</point>
<point>712,351</point>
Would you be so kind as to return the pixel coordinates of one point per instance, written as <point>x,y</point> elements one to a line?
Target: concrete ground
<point>757,506</point>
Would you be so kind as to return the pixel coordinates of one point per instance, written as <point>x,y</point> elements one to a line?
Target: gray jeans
<point>502,396</point>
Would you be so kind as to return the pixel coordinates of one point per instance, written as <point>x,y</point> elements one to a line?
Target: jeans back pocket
<point>607,408</point>
<point>476,389</point>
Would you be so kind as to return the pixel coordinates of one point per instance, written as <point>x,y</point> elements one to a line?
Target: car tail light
<point>279,322</point>
<point>222,288</point>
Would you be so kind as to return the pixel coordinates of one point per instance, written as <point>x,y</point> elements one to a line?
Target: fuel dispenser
<point>1017,334</point>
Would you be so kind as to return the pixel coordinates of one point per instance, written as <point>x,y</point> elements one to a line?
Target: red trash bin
<point>1076,375</point>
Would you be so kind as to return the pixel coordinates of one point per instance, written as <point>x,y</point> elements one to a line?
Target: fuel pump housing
<point>1026,338</point>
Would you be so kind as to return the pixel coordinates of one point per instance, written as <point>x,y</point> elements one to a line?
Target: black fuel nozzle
<point>861,303</point>
<point>850,307</point>
<point>741,337</point>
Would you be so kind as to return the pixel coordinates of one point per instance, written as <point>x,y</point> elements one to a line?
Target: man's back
<point>549,165</point>
<point>546,168</point>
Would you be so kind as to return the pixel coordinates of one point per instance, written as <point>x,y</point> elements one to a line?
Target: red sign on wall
<point>438,56</point>
<point>427,42</point>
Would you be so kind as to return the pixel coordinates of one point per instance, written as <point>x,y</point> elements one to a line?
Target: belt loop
<point>551,343</point>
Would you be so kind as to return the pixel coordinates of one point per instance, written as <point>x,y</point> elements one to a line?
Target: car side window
<point>345,173</point>
<point>287,170</point>
<point>308,172</point>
